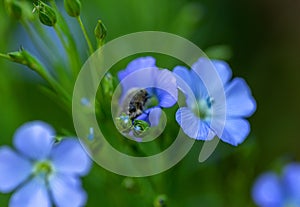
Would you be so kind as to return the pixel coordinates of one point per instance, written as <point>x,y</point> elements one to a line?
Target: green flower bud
<point>25,58</point>
<point>72,7</point>
<point>128,183</point>
<point>123,123</point>
<point>46,14</point>
<point>160,201</point>
<point>18,9</point>
<point>22,57</point>
<point>140,127</point>
<point>100,32</point>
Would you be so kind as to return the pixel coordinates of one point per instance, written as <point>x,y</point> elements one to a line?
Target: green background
<point>264,41</point>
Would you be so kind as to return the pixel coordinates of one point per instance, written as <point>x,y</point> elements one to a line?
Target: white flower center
<point>43,168</point>
<point>203,108</point>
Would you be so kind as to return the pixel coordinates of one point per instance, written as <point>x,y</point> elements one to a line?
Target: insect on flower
<point>137,103</point>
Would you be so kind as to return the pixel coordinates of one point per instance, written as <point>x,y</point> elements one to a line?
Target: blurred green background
<point>264,41</point>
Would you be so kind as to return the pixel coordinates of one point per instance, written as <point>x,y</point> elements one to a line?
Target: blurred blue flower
<point>196,117</point>
<point>41,170</point>
<point>142,73</point>
<point>271,190</point>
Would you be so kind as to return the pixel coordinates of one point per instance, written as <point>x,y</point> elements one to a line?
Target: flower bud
<point>140,127</point>
<point>18,9</point>
<point>123,123</point>
<point>160,201</point>
<point>20,57</point>
<point>46,14</point>
<point>25,58</point>
<point>128,183</point>
<point>100,32</point>
<point>72,7</point>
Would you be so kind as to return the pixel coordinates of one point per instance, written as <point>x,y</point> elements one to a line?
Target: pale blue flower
<point>41,171</point>
<point>195,119</point>
<point>272,190</point>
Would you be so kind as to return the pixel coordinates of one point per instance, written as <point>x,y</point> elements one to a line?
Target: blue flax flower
<point>271,190</point>
<point>142,73</point>
<point>195,119</point>
<point>42,171</point>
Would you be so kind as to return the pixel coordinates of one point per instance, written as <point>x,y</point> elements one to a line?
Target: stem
<point>4,56</point>
<point>85,35</point>
<point>74,56</point>
<point>43,39</point>
<point>69,51</point>
<point>51,81</point>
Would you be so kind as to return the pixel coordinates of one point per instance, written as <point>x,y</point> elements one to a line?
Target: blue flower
<point>142,73</point>
<point>195,119</point>
<point>271,190</point>
<point>42,171</point>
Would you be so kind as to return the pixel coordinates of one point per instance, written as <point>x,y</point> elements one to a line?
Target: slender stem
<point>74,56</point>
<point>69,51</point>
<point>43,40</point>
<point>4,56</point>
<point>85,35</point>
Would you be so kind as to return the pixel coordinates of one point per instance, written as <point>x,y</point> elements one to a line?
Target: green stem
<point>51,81</point>
<point>36,66</point>
<point>4,56</point>
<point>37,44</point>
<point>85,35</point>
<point>69,51</point>
<point>75,62</point>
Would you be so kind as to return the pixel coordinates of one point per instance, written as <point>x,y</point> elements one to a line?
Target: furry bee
<point>137,103</point>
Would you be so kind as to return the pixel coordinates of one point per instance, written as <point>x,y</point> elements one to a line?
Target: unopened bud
<point>72,7</point>
<point>160,201</point>
<point>19,57</point>
<point>140,127</point>
<point>123,123</point>
<point>46,14</point>
<point>18,9</point>
<point>100,32</point>
<point>25,58</point>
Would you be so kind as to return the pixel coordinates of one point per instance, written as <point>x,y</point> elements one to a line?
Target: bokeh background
<point>261,40</point>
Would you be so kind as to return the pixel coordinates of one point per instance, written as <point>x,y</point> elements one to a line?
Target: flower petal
<point>140,79</point>
<point>152,116</point>
<point>67,191</point>
<point>267,191</point>
<point>204,76</point>
<point>192,125</point>
<point>235,131</point>
<point>291,178</point>
<point>186,85</point>
<point>166,88</point>
<point>137,64</point>
<point>223,70</point>
<point>69,157</point>
<point>34,139</point>
<point>14,169</point>
<point>239,100</point>
<point>33,193</point>
<point>184,74</point>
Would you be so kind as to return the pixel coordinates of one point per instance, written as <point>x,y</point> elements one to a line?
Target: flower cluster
<point>272,190</point>
<point>195,118</point>
<point>42,171</point>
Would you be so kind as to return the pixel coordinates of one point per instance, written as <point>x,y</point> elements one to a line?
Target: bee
<point>137,103</point>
